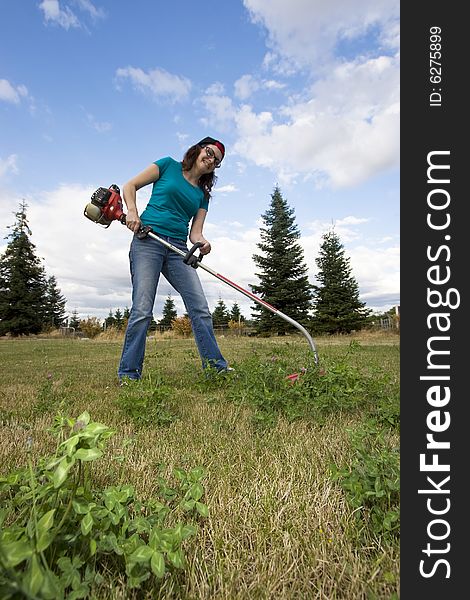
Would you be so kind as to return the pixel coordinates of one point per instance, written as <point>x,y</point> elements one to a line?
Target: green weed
<point>50,396</point>
<point>147,401</point>
<point>314,393</point>
<point>372,483</point>
<point>61,538</point>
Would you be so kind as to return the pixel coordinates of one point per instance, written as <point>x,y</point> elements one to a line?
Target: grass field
<point>280,523</point>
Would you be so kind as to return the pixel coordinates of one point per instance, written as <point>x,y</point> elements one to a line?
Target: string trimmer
<point>106,206</point>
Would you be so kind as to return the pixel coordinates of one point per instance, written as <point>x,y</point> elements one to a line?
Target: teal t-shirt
<point>174,201</point>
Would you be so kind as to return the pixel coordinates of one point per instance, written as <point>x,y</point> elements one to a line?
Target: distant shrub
<point>112,333</point>
<point>91,327</point>
<point>182,326</point>
<point>237,326</point>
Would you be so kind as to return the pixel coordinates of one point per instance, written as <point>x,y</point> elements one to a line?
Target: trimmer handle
<point>143,232</point>
<point>189,257</point>
<point>192,260</point>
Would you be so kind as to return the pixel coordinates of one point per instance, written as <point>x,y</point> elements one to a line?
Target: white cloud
<point>377,270</point>
<point>99,126</point>
<point>281,65</point>
<point>345,133</point>
<point>215,89</point>
<point>248,85</point>
<point>88,7</point>
<point>241,167</point>
<point>271,84</point>
<point>231,256</point>
<point>8,165</point>
<point>304,31</point>
<point>352,221</point>
<point>346,228</point>
<point>59,13</point>
<point>11,93</point>
<point>160,84</point>
<point>54,13</point>
<point>342,127</point>
<point>225,189</point>
<point>219,112</point>
<point>245,86</point>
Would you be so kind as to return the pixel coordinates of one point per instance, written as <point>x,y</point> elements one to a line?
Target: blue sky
<point>304,94</point>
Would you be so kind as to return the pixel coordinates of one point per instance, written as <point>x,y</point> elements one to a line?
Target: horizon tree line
<point>31,302</point>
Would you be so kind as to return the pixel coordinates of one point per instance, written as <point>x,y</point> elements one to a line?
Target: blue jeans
<point>149,258</point>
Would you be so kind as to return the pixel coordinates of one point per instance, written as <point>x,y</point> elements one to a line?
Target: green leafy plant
<point>339,387</point>
<point>60,537</point>
<point>264,385</point>
<point>49,396</point>
<point>313,393</point>
<point>372,482</point>
<point>147,401</point>
<point>385,411</point>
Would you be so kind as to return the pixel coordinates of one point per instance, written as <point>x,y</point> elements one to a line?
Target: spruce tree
<point>235,314</point>
<point>220,315</point>
<point>74,319</point>
<point>169,313</point>
<point>153,325</point>
<point>23,285</point>
<point>54,304</point>
<point>125,317</point>
<point>109,321</point>
<point>118,319</point>
<point>283,273</point>
<point>337,307</point>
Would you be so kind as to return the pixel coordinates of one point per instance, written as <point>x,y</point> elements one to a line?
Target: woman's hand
<point>132,220</point>
<point>195,235</point>
<point>206,248</point>
<point>148,175</point>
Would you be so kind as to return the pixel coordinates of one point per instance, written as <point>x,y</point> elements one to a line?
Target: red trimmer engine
<point>105,206</point>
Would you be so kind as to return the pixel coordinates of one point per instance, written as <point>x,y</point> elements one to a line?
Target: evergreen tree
<point>283,273</point>
<point>220,315</point>
<point>109,321</point>
<point>54,305</point>
<point>118,319</point>
<point>169,312</point>
<point>337,307</point>
<point>125,317</point>
<point>74,319</point>
<point>235,314</point>
<point>22,282</point>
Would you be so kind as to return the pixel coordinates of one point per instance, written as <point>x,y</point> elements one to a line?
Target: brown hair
<point>206,181</point>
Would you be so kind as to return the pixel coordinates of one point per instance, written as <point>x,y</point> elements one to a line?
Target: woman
<point>180,195</point>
